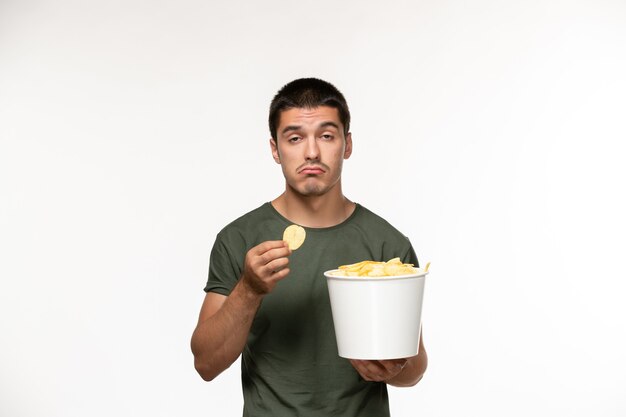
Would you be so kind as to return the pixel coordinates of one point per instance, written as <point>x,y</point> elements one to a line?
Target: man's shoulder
<point>384,240</point>
<point>375,222</point>
<point>250,223</point>
<point>264,211</point>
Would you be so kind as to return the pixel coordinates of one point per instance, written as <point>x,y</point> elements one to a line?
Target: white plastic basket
<point>377,317</point>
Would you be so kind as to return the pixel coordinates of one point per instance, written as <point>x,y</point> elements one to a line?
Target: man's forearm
<point>219,340</point>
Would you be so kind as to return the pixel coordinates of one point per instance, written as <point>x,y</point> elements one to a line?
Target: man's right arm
<point>224,322</point>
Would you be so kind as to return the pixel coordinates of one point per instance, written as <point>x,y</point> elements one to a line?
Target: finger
<point>262,248</point>
<point>278,275</point>
<point>393,366</point>
<point>371,370</point>
<point>378,370</point>
<point>275,253</point>
<point>277,264</point>
<point>358,366</point>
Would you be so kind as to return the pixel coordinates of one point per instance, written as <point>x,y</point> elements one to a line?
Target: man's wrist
<point>248,290</point>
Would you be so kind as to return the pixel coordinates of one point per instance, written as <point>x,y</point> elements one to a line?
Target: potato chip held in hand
<point>294,235</point>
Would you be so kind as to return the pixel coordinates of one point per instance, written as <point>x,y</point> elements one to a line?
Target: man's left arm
<point>397,372</point>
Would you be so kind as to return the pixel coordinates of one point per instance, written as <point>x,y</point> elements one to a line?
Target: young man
<point>270,304</point>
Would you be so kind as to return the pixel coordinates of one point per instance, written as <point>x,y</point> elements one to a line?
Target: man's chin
<point>311,190</point>
<point>314,191</point>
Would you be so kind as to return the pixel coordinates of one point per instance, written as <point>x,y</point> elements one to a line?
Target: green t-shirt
<point>290,365</point>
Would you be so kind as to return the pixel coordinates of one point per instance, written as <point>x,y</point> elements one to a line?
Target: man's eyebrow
<point>293,128</point>
<point>333,124</point>
<point>290,128</point>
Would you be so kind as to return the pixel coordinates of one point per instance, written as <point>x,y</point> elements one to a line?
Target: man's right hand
<point>265,265</point>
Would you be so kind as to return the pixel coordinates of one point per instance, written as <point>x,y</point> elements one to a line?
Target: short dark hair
<point>308,93</point>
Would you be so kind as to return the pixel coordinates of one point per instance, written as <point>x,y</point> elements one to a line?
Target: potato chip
<point>392,267</point>
<point>294,235</point>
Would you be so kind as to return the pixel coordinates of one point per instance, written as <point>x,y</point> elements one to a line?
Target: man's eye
<point>327,137</point>
<point>294,139</point>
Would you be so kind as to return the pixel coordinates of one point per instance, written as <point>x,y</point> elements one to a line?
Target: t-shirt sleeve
<point>410,257</point>
<point>224,268</point>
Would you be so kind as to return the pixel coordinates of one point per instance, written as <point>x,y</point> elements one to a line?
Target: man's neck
<point>325,210</point>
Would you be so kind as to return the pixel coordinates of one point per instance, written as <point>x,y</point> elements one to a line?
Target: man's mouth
<point>312,170</point>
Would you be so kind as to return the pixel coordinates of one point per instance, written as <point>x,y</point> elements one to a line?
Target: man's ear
<point>348,151</point>
<point>274,146</point>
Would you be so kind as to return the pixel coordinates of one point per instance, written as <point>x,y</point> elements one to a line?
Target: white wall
<point>490,132</point>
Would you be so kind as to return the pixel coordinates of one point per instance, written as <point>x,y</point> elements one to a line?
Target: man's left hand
<point>378,370</point>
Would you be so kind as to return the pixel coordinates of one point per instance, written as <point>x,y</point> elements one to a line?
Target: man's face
<point>310,146</point>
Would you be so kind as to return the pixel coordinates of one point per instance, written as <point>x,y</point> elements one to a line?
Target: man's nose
<point>312,149</point>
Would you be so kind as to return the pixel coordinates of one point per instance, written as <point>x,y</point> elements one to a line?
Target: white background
<point>489,132</point>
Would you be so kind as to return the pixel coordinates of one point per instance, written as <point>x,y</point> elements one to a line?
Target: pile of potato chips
<point>393,267</point>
